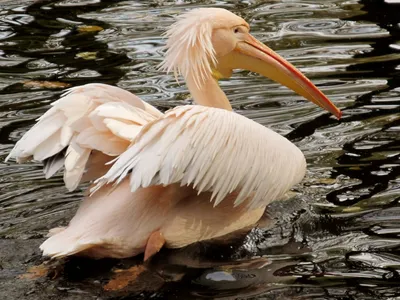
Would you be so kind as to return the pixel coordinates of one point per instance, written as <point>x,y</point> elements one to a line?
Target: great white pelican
<point>194,173</point>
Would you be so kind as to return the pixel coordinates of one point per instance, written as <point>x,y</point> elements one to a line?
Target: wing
<point>94,118</point>
<point>212,150</point>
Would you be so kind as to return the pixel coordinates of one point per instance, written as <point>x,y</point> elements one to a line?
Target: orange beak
<point>254,56</point>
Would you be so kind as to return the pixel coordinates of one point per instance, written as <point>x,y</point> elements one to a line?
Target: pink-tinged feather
<point>51,146</point>
<point>72,177</point>
<point>97,121</point>
<point>105,142</point>
<point>124,111</point>
<point>66,135</point>
<point>178,148</point>
<point>44,129</point>
<point>90,117</point>
<point>125,131</point>
<point>75,164</point>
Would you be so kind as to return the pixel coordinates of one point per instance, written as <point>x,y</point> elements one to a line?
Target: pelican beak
<point>252,55</point>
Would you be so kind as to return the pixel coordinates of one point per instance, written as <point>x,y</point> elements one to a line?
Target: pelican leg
<point>155,242</point>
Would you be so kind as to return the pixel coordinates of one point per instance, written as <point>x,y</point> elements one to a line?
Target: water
<point>337,239</point>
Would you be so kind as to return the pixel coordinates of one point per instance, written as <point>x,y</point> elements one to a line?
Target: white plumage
<point>81,121</point>
<point>212,150</point>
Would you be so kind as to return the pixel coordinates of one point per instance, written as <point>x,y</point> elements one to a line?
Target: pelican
<point>158,180</point>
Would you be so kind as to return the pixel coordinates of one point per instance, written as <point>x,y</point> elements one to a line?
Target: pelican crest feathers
<point>190,51</point>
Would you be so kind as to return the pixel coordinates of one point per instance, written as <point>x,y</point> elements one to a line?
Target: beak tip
<point>338,114</point>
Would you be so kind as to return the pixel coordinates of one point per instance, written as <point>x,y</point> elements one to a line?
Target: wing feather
<point>104,142</point>
<point>121,129</point>
<point>49,147</point>
<point>75,162</point>
<point>212,150</point>
<point>86,118</point>
<point>124,111</point>
<point>52,164</point>
<point>26,146</point>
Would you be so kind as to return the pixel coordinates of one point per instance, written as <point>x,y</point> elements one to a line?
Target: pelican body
<point>196,172</point>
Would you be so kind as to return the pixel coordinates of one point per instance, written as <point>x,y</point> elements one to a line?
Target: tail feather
<point>63,244</point>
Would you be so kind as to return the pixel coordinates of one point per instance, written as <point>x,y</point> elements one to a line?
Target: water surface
<point>337,239</point>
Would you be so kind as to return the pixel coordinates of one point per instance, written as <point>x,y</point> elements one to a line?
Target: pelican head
<point>208,43</point>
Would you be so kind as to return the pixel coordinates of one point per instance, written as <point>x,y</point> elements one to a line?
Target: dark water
<point>337,239</point>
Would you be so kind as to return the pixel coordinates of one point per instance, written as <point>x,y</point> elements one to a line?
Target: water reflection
<point>337,239</point>
<point>378,149</point>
